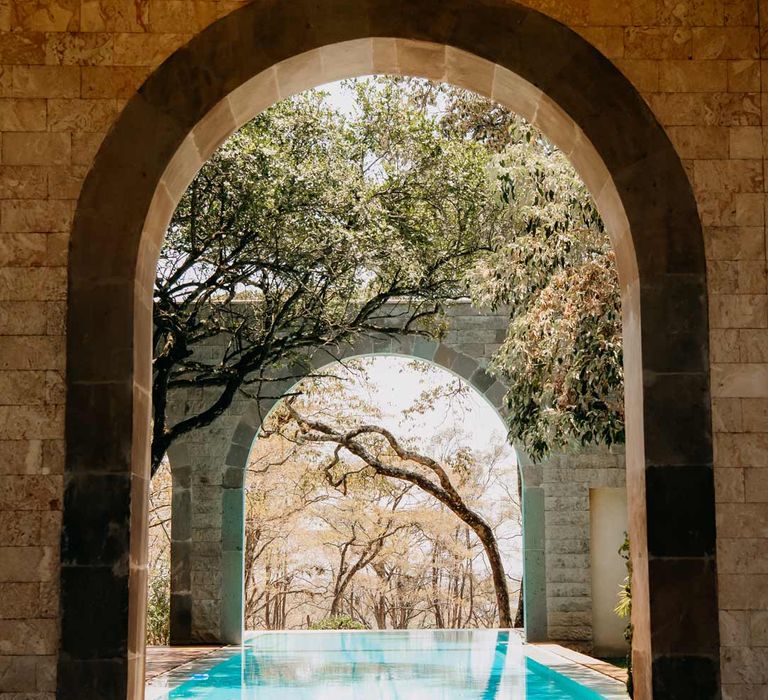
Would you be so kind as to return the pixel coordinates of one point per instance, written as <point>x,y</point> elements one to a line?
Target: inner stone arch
<point>207,588</point>
<point>219,617</point>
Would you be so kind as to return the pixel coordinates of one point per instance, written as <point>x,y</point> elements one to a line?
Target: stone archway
<point>219,618</point>
<point>208,469</point>
<point>523,59</point>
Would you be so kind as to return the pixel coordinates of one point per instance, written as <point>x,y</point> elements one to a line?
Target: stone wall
<point>557,567</point>
<point>566,480</point>
<point>67,68</point>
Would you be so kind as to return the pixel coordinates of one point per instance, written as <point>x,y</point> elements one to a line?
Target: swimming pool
<point>402,665</point>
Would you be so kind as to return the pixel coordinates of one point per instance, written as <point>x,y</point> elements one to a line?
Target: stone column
<point>232,553</point>
<point>534,556</point>
<point>197,555</point>
<point>181,546</point>
<point>566,480</point>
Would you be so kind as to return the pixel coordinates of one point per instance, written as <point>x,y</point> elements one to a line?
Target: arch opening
<point>434,411</point>
<point>245,436</point>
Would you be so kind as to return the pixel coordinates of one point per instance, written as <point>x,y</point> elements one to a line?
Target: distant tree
<point>159,544</point>
<point>376,548</point>
<point>384,455</point>
<point>362,541</point>
<point>273,577</point>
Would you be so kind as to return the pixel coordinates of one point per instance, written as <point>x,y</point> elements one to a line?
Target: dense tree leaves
<point>551,265</point>
<point>563,361</point>
<point>562,358</point>
<point>308,223</point>
<point>301,231</point>
<point>554,269</point>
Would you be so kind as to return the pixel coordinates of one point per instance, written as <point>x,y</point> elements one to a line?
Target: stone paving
<point>180,663</point>
<point>607,669</point>
<point>161,660</point>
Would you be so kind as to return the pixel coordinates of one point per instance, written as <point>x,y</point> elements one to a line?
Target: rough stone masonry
<point>67,71</point>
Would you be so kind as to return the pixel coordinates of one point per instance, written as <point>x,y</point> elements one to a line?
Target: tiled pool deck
<point>180,666</point>
<point>169,667</point>
<point>162,660</point>
<point>607,669</point>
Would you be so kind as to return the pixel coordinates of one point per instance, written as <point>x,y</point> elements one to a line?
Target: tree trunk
<point>520,614</point>
<point>435,590</point>
<point>380,611</point>
<point>488,540</point>
<point>471,574</point>
<point>335,605</point>
<point>267,584</point>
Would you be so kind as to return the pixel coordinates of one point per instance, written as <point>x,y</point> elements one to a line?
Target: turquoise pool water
<point>408,665</point>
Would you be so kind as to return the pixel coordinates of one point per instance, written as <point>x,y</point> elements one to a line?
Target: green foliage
<point>318,220</point>
<point>338,622</point>
<point>624,610</point>
<point>553,269</point>
<point>159,607</point>
<point>562,360</point>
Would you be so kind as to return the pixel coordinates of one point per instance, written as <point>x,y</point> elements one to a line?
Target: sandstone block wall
<point>566,480</point>
<point>66,70</point>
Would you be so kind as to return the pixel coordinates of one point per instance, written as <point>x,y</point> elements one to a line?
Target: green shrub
<point>159,608</point>
<point>624,610</point>
<point>339,622</point>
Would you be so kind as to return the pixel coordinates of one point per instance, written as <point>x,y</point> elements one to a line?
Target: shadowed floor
<point>164,659</point>
<point>607,669</point>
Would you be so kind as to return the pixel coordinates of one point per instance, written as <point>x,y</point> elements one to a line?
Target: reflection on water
<point>497,667</point>
<point>407,665</point>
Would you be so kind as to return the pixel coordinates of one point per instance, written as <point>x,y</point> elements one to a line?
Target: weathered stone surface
<point>46,81</point>
<point>37,637</point>
<point>672,51</point>
<point>23,148</point>
<point>567,479</point>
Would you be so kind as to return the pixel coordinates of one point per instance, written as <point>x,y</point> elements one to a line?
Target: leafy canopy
<point>302,231</point>
<point>312,226</point>
<point>553,268</point>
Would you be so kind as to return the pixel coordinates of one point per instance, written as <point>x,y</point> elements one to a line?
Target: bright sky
<point>394,385</point>
<point>339,98</point>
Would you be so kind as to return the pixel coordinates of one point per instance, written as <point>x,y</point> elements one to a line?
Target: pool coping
<point>601,666</point>
<point>560,660</point>
<point>575,666</point>
<point>160,659</point>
